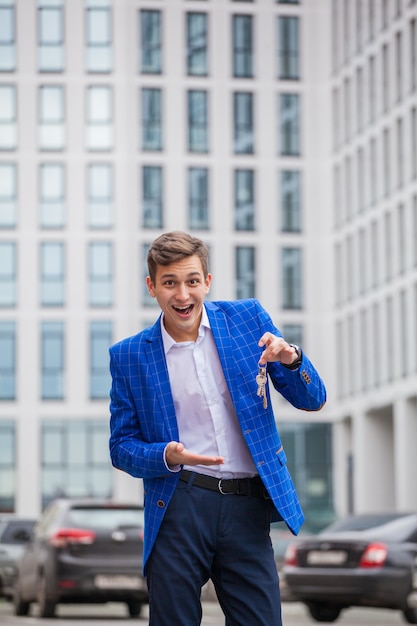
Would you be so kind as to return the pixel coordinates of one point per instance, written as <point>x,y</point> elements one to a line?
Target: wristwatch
<point>298,360</point>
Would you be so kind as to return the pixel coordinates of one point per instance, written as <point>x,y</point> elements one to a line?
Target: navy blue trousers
<point>205,535</point>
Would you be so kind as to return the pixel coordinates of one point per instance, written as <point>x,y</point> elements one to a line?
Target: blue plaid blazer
<point>143,417</point>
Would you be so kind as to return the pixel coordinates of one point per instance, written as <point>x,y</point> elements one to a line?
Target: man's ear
<point>150,286</point>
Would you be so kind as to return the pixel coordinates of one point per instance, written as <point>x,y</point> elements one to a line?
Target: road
<point>294,614</point>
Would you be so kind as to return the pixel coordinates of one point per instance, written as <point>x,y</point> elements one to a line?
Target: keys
<point>261,382</point>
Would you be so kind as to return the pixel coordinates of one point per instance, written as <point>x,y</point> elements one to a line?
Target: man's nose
<point>182,292</point>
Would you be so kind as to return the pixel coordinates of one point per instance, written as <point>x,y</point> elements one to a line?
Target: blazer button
<point>161,504</point>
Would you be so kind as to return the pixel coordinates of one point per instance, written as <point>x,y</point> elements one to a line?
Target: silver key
<point>261,382</point>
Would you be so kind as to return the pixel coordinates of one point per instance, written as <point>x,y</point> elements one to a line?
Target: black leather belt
<point>231,486</point>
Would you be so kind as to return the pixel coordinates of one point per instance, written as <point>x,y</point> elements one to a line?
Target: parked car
<point>83,551</point>
<point>15,532</point>
<point>360,561</point>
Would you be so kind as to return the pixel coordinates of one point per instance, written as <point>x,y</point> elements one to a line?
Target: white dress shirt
<point>206,417</point>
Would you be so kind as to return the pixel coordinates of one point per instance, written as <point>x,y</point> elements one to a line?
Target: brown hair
<point>173,246</point>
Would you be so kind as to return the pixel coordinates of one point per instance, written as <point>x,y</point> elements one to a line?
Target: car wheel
<point>46,606</point>
<point>322,612</point>
<point>134,607</point>
<point>20,606</point>
<point>410,615</point>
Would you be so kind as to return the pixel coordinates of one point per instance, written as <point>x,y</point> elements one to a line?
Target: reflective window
<point>100,273</point>
<point>7,36</point>
<point>8,463</point>
<point>52,195</point>
<point>243,123</point>
<point>245,272</point>
<point>152,209</point>
<point>289,125</point>
<point>7,274</point>
<point>7,364</point>
<point>52,360</point>
<point>151,42</point>
<point>99,36</point>
<point>197,44</point>
<point>100,340</point>
<point>75,459</point>
<point>52,267</point>
<point>288,48</point>
<point>51,117</point>
<point>198,201</point>
<point>50,36</point>
<point>8,193</point>
<point>290,201</point>
<point>151,119</point>
<point>242,46</point>
<point>244,200</point>
<point>100,195</point>
<point>293,333</point>
<point>197,121</point>
<point>291,278</point>
<point>99,135</point>
<point>8,126</point>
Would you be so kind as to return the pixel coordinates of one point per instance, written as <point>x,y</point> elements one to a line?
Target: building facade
<point>119,120</point>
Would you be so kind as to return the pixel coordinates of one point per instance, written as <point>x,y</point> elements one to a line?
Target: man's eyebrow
<point>171,275</point>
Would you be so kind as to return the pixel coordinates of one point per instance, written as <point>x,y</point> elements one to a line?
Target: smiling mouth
<point>184,310</point>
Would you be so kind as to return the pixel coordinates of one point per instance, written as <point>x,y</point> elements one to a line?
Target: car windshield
<point>89,517</point>
<point>17,532</point>
<point>362,522</point>
<point>398,531</point>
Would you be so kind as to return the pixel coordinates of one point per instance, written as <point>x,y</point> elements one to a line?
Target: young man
<point>187,418</point>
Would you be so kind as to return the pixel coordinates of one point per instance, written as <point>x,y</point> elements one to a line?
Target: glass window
<point>289,125</point>
<point>52,195</point>
<point>197,121</point>
<point>290,201</point>
<point>198,201</point>
<point>98,36</point>
<point>245,272</point>
<point>151,42</point>
<point>99,135</point>
<point>293,333</point>
<point>7,364</point>
<point>51,118</point>
<point>152,194</point>
<point>50,36</point>
<point>8,464</point>
<point>7,274</point>
<point>8,126</point>
<point>7,36</point>
<point>291,278</point>
<point>197,44</point>
<point>8,193</point>
<point>289,48</point>
<point>100,340</point>
<point>242,46</point>
<point>52,274</point>
<point>100,195</point>
<point>100,272</point>
<point>243,123</point>
<point>244,200</point>
<point>52,365</point>
<point>75,459</point>
<point>151,119</point>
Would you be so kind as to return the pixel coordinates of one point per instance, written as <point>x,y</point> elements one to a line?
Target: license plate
<point>326,557</point>
<point>118,582</point>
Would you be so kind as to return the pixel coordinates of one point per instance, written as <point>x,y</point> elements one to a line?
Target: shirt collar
<point>169,342</point>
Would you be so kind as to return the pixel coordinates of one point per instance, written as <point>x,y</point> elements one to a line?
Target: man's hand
<point>176,454</point>
<point>277,349</point>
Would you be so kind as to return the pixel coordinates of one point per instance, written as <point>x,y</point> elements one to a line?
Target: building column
<point>405,437</point>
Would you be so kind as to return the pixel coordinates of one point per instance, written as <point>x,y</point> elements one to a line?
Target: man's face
<point>180,289</point>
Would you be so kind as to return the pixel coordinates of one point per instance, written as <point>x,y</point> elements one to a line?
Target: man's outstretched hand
<point>176,454</point>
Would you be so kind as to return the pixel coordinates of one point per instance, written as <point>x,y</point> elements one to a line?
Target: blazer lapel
<point>155,356</point>
<point>222,338</point>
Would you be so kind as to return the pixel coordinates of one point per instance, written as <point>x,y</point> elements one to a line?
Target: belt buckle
<point>224,493</point>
